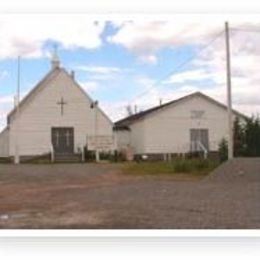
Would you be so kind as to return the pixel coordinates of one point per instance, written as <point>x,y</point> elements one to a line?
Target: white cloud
<point>211,64</point>
<point>145,38</point>
<point>96,73</point>
<point>6,104</point>
<point>115,110</point>
<point>89,86</point>
<point>148,36</point>
<point>148,95</point>
<point>150,59</point>
<point>190,75</point>
<point>99,69</point>
<point>6,99</point>
<point>3,74</point>
<point>245,54</point>
<point>26,35</point>
<point>145,81</point>
<point>245,95</point>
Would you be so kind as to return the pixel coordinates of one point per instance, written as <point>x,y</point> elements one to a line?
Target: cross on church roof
<point>61,103</point>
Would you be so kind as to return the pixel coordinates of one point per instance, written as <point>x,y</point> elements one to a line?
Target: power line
<point>176,69</point>
<point>245,30</point>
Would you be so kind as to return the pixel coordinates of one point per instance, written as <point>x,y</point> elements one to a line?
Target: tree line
<point>246,139</point>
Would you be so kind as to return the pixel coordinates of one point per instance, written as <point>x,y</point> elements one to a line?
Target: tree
<point>238,138</point>
<point>223,150</point>
<point>252,136</point>
<point>246,139</point>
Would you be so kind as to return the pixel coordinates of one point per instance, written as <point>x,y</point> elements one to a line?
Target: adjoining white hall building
<point>193,123</point>
<point>57,114</point>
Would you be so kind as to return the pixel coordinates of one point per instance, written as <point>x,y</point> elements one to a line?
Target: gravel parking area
<point>87,196</point>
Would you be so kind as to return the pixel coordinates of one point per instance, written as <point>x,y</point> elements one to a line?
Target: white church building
<point>57,115</point>
<point>193,123</point>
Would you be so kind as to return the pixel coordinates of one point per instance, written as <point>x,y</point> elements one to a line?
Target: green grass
<point>189,166</point>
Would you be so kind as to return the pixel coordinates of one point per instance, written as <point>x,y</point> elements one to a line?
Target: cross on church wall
<point>62,103</point>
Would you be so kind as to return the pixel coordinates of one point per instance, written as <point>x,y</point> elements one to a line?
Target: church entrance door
<point>62,139</point>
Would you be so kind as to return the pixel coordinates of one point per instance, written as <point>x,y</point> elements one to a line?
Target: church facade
<point>57,115</point>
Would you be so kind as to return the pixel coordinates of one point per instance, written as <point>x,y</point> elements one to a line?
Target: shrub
<point>89,155</point>
<point>182,166</point>
<point>223,150</point>
<point>189,166</point>
<point>194,165</point>
<point>201,164</point>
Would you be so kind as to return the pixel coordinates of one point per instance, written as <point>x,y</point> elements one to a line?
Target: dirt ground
<point>90,196</point>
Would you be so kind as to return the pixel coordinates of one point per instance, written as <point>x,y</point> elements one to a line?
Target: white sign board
<point>101,143</point>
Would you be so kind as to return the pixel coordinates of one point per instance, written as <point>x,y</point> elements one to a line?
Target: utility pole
<point>17,152</point>
<point>229,95</point>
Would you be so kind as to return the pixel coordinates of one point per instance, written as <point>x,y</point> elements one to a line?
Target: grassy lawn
<point>190,167</point>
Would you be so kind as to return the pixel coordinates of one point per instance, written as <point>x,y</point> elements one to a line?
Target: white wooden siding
<point>138,137</point>
<point>168,129</point>
<point>42,113</point>
<point>122,139</point>
<point>4,143</point>
<point>133,138</point>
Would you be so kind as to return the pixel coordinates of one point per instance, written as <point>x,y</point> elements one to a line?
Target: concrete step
<point>67,158</point>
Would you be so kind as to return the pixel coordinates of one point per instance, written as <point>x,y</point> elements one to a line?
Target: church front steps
<point>67,158</point>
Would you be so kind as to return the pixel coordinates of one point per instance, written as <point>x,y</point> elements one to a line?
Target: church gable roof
<point>49,76</point>
<point>41,84</point>
<point>125,122</point>
<point>88,97</point>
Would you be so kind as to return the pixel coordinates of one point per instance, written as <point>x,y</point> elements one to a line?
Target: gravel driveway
<point>101,196</point>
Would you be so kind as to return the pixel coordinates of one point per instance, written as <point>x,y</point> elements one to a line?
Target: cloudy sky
<point>133,61</point>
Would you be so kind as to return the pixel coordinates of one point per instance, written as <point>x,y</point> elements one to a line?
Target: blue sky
<point>115,61</point>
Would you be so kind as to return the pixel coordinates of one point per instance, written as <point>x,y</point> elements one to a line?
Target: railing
<point>189,147</point>
<point>82,153</point>
<point>204,149</point>
<point>52,153</point>
<point>198,144</point>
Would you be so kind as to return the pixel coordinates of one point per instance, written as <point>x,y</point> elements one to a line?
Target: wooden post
<point>82,153</point>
